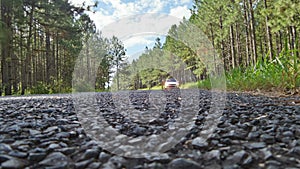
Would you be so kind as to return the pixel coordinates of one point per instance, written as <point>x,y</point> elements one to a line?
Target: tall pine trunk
<point>278,43</point>
<point>238,45</point>
<point>252,32</point>
<point>232,47</point>
<point>268,32</point>
<point>26,72</point>
<point>293,37</point>
<point>6,44</point>
<point>48,57</point>
<point>222,44</point>
<point>247,38</point>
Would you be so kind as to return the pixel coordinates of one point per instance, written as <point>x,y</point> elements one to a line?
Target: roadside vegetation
<point>278,75</point>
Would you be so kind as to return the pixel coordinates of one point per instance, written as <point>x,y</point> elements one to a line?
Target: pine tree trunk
<point>53,63</point>
<point>238,46</point>
<point>252,33</point>
<point>58,60</point>
<point>6,45</point>
<point>117,73</point>
<point>26,63</point>
<point>269,35</point>
<point>222,44</point>
<point>15,71</point>
<point>232,45</point>
<point>246,24</point>
<point>278,43</point>
<point>87,53</point>
<point>296,42</point>
<point>263,47</point>
<point>35,53</point>
<point>293,37</point>
<point>213,43</point>
<point>22,67</point>
<point>48,57</point>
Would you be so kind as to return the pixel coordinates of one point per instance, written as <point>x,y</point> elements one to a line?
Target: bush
<point>40,88</point>
<point>278,74</point>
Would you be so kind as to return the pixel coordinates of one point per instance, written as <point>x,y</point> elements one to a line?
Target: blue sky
<point>110,11</point>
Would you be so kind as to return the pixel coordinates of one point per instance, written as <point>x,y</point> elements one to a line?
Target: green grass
<point>189,85</point>
<point>280,74</point>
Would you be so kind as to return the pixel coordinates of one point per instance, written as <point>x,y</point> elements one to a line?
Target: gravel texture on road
<point>251,132</point>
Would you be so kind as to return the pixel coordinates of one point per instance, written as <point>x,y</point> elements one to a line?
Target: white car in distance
<point>171,83</point>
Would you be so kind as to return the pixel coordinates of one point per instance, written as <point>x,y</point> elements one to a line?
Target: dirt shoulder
<point>272,93</point>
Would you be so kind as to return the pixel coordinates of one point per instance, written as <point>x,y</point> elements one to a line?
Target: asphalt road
<point>150,129</point>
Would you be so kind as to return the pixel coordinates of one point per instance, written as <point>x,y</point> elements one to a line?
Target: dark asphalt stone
<point>103,157</point>
<point>273,163</point>
<point>23,148</point>
<point>38,150</point>
<point>67,150</point>
<point>53,146</point>
<point>139,130</point>
<point>73,134</point>
<point>5,147</point>
<point>268,138</point>
<point>237,157</point>
<point>255,145</point>
<point>265,153</point>
<point>83,164</point>
<point>296,150</point>
<point>247,161</point>
<point>18,154</point>
<point>199,142</point>
<point>63,135</point>
<point>51,129</point>
<point>155,165</point>
<point>229,165</point>
<point>288,134</point>
<point>56,159</point>
<point>34,132</point>
<point>94,165</point>
<point>213,166</point>
<point>36,157</point>
<point>115,162</point>
<point>253,135</point>
<point>13,163</point>
<point>13,128</point>
<point>213,154</point>
<point>91,153</point>
<point>181,163</point>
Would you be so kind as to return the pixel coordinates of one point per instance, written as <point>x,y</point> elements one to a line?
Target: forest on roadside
<point>257,42</point>
<point>41,41</point>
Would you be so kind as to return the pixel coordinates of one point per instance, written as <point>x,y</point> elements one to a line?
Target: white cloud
<point>122,9</point>
<point>101,19</point>
<point>156,6</point>
<point>80,2</point>
<point>139,40</point>
<point>180,12</point>
<point>147,24</point>
<point>183,2</point>
<point>117,9</point>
